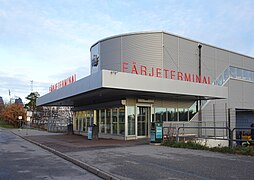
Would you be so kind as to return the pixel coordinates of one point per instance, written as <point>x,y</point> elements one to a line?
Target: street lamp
<point>20,118</point>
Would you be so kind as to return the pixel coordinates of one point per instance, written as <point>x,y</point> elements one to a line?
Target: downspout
<point>200,108</point>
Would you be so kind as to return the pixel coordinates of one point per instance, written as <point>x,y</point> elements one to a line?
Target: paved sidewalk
<point>69,143</point>
<point>33,132</point>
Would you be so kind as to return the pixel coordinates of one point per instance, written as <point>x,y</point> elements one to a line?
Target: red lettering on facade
<point>124,68</point>
<point>166,72</point>
<point>187,76</point>
<point>134,69</point>
<point>204,80</point>
<point>63,83</point>
<point>143,70</point>
<point>158,73</point>
<point>172,74</point>
<point>180,75</point>
<point>152,74</point>
<point>198,79</point>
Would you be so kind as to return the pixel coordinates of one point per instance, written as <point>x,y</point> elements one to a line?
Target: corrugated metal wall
<point>170,52</point>
<point>110,52</point>
<point>166,51</point>
<point>144,49</point>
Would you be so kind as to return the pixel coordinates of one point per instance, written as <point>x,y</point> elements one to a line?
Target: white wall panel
<point>236,60</point>
<point>208,62</point>
<point>235,93</point>
<point>248,63</point>
<point>170,52</point>
<point>188,56</point>
<point>221,61</point>
<point>248,95</point>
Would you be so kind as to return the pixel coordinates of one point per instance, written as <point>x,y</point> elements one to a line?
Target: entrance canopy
<point>106,85</point>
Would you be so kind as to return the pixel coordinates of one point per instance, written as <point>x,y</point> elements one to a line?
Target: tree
<point>1,106</point>
<point>11,114</point>
<point>31,105</point>
<point>1,103</point>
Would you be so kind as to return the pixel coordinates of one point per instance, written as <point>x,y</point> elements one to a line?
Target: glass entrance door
<point>143,119</point>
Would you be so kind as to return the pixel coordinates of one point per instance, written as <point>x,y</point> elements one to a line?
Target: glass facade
<point>110,121</point>
<point>234,72</point>
<point>173,114</point>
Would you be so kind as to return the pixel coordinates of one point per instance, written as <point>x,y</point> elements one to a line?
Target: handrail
<point>229,136</point>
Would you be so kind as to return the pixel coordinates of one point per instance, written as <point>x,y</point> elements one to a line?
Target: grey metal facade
<point>168,51</point>
<point>161,49</point>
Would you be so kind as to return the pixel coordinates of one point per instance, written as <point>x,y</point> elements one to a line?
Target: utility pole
<point>10,95</point>
<point>32,86</point>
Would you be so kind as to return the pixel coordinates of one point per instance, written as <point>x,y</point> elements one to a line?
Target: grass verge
<point>192,145</point>
<point>5,125</point>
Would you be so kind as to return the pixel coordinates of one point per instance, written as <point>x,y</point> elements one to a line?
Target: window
<point>220,81</point>
<point>232,72</point>
<point>183,114</point>
<point>192,110</point>
<point>84,124</point>
<point>76,120</point>
<point>172,114</point>
<point>245,74</point>
<point>87,120</point>
<point>92,117</point>
<point>114,120</point>
<point>102,123</point>
<point>239,73</point>
<point>131,120</point>
<point>226,74</point>
<point>122,120</point>
<point>84,121</point>
<point>160,114</point>
<point>108,121</point>
<point>80,128</point>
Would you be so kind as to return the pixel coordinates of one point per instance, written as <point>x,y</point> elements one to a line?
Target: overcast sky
<point>48,40</point>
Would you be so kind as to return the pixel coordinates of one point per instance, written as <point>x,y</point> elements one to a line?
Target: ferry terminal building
<point>140,78</point>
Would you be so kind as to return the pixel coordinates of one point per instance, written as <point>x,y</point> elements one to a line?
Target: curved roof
<point>151,32</point>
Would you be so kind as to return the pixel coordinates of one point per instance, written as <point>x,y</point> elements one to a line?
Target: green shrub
<point>193,145</point>
<point>181,144</point>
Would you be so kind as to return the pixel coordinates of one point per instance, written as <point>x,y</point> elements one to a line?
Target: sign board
<point>90,132</point>
<point>158,131</point>
<point>152,135</point>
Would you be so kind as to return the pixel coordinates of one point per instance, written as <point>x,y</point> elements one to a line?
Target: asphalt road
<point>20,159</point>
